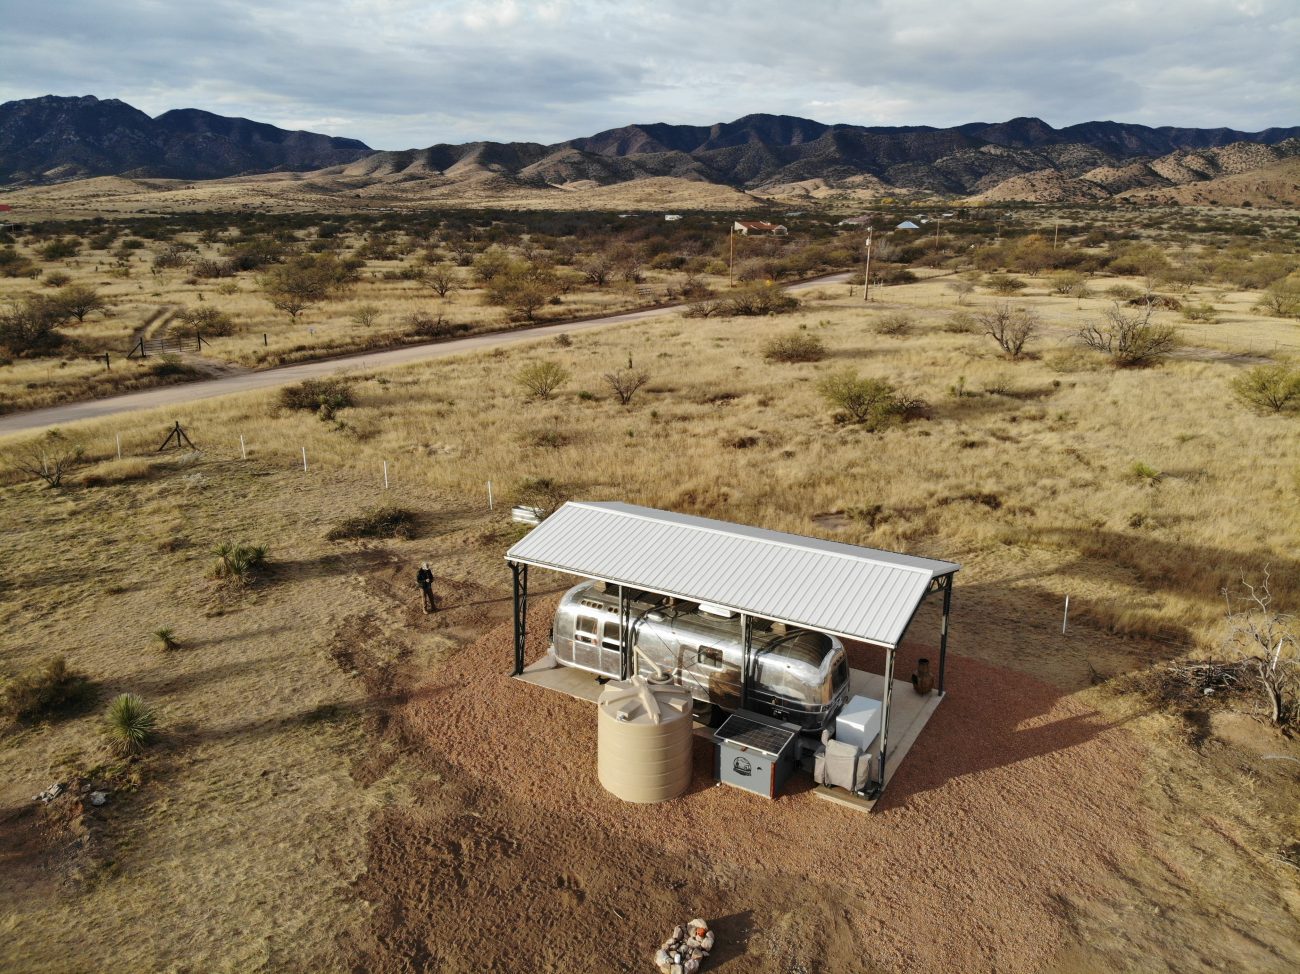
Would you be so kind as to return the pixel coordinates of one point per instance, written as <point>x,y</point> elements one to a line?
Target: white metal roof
<point>847,590</point>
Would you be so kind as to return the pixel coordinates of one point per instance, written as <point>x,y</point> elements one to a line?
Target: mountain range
<point>53,139</point>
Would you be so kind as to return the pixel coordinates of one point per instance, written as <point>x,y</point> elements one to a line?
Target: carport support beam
<point>884,716</point>
<point>520,573</point>
<point>943,632</point>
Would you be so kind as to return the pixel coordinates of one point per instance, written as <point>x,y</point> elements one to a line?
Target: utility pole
<point>1056,230</point>
<point>731,263</point>
<point>866,274</point>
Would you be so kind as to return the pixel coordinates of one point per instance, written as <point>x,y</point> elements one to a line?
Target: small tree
<point>963,289</point>
<point>366,315</point>
<point>1269,388</point>
<point>869,402</point>
<point>597,269</point>
<point>1005,284</point>
<point>1282,298</point>
<point>1129,338</point>
<point>306,280</point>
<point>439,278</point>
<point>207,320</point>
<point>50,458</point>
<point>896,324</point>
<point>79,300</point>
<point>626,382</point>
<point>30,326</point>
<point>1011,326</point>
<point>1267,641</point>
<point>541,379</point>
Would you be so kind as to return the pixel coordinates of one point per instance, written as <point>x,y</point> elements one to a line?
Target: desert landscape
<point>296,425</point>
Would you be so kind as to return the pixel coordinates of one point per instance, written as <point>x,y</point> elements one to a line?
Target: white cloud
<point>407,73</point>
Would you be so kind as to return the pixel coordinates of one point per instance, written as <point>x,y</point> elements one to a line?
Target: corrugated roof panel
<point>862,593</point>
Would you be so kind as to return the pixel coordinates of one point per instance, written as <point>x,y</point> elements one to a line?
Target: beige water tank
<point>644,740</point>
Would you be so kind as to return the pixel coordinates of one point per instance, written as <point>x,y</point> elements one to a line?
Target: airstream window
<point>710,656</point>
<point>584,630</point>
<point>612,639</point>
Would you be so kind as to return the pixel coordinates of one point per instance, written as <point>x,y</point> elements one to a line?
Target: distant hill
<point>53,139</point>
<point>779,157</point>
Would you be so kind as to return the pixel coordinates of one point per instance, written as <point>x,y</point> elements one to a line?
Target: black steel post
<point>625,668</point>
<point>746,663</point>
<point>943,631</point>
<point>520,573</point>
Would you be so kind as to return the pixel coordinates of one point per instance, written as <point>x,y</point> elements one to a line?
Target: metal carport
<point>847,591</point>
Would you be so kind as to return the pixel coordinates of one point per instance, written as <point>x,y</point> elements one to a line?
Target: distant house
<point>672,216</point>
<point>907,225</point>
<point>746,227</point>
<point>856,221</point>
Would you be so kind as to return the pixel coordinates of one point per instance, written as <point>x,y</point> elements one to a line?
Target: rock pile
<point>686,949</point>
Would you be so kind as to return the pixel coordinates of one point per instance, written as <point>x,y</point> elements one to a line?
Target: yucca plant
<point>130,724</point>
<point>239,561</point>
<point>167,640</point>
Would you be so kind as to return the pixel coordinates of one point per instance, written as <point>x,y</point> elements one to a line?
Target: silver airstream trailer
<point>797,676</point>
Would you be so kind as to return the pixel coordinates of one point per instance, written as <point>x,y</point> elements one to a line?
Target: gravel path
<point>271,378</point>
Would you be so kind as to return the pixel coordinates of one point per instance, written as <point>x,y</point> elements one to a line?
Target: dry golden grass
<point>253,814</point>
<point>145,303</point>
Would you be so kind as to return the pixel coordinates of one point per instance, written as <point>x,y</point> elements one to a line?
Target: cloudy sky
<point>406,73</point>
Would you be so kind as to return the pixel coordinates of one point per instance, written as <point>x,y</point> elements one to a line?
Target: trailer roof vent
<point>717,610</point>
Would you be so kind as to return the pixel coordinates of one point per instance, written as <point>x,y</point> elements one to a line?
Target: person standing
<point>424,578</point>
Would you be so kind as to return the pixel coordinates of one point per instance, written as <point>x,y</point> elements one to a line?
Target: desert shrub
<point>30,326</point>
<point>1282,298</point>
<point>170,366</point>
<point>1267,642</point>
<point>1129,338</point>
<point>704,308</point>
<point>46,691</point>
<point>1011,326</point>
<point>207,320</point>
<point>1004,284</point>
<point>540,380</point>
<point>961,323</point>
<point>129,724</point>
<point>1123,292</point>
<point>14,264</point>
<point>366,315</point>
<point>61,249</point>
<point>166,639</point>
<point>796,347</point>
<point>1070,283</point>
<point>1204,313</point>
<point>760,300</point>
<point>239,563</point>
<point>49,458</point>
<point>174,255</point>
<point>624,383</point>
<point>56,279</point>
<point>542,493</point>
<point>386,521</point>
<point>433,326</point>
<point>1269,388</point>
<point>325,396</point>
<point>896,324</point>
<point>869,402</point>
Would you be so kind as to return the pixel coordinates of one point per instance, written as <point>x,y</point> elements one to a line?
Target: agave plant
<point>130,724</point>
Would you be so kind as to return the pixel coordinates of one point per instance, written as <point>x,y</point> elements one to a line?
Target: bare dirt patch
<point>1002,821</point>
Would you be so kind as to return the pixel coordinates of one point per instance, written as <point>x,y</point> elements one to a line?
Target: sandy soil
<point>1004,815</point>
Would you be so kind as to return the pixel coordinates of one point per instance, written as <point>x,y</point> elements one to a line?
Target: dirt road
<point>72,412</point>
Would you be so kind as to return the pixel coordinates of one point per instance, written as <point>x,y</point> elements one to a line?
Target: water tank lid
<point>638,701</point>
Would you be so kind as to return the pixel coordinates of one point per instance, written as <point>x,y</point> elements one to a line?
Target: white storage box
<point>859,722</point>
